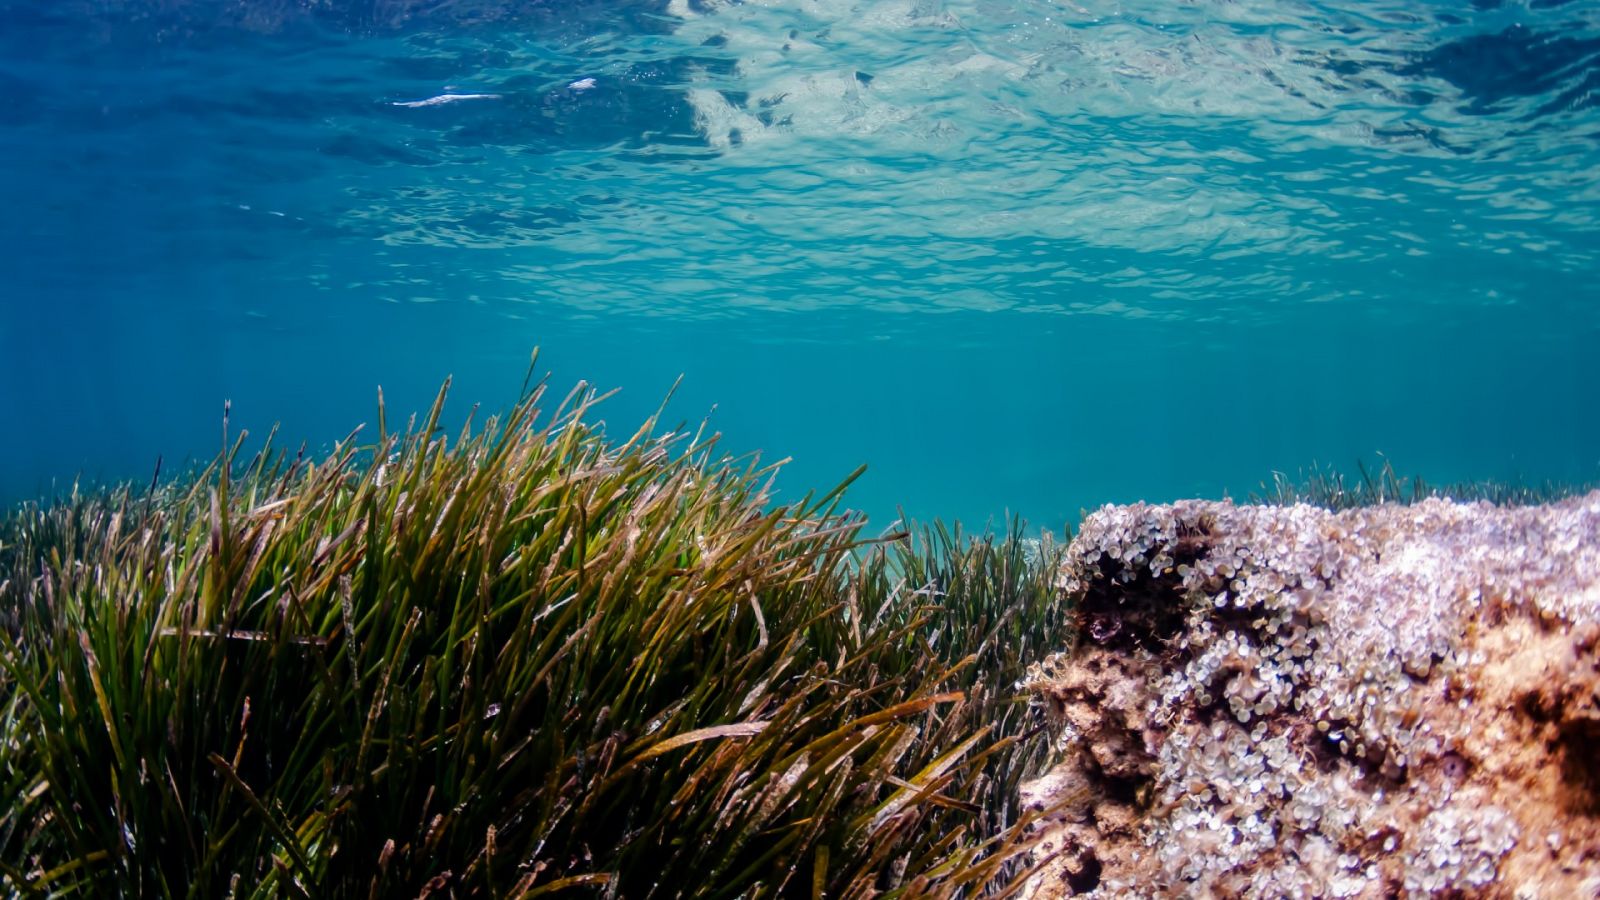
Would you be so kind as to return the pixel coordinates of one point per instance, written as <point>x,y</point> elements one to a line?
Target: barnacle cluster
<point>1330,707</point>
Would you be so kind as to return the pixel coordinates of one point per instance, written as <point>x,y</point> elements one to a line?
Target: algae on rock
<point>1288,701</point>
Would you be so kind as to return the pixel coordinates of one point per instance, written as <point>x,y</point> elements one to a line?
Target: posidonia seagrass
<point>517,660</point>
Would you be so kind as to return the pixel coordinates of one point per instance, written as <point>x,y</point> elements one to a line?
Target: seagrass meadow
<point>519,659</point>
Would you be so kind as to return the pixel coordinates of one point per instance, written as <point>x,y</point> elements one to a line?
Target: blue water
<point>1015,256</point>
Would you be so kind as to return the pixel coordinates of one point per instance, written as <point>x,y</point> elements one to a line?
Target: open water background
<point>1015,256</point>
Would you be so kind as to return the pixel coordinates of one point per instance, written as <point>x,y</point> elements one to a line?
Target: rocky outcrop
<point>1286,701</point>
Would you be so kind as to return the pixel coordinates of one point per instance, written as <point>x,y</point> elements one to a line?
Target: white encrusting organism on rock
<point>1287,701</point>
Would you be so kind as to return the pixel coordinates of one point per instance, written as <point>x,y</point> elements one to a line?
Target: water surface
<point>1015,256</point>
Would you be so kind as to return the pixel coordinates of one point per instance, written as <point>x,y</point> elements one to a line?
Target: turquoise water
<point>1014,256</point>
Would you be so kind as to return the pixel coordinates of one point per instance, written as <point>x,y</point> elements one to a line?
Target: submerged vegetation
<point>1332,489</point>
<point>518,660</point>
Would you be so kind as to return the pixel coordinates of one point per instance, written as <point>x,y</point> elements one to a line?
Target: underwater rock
<point>1287,701</point>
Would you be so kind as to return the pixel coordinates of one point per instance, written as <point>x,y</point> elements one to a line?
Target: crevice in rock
<point>1142,613</point>
<point>1086,877</point>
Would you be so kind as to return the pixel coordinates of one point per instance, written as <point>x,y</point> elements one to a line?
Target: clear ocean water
<point>1015,256</point>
